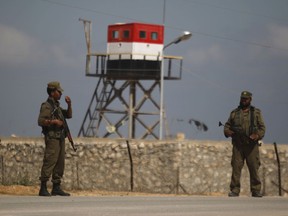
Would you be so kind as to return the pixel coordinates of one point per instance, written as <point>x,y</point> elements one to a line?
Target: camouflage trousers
<point>250,154</point>
<point>54,160</point>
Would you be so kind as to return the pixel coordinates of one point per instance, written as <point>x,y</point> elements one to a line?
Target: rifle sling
<point>251,128</point>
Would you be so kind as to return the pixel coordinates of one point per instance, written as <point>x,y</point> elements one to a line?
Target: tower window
<point>142,34</point>
<point>154,35</point>
<point>115,34</point>
<point>126,34</point>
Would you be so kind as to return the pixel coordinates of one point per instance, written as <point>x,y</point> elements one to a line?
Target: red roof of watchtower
<point>136,32</point>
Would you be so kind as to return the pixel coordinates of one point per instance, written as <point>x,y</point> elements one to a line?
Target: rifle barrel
<point>66,128</point>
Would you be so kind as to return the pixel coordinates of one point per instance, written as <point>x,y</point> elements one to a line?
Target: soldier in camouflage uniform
<point>246,127</point>
<point>54,135</point>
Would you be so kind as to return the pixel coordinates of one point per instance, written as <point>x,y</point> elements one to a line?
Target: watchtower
<point>125,103</point>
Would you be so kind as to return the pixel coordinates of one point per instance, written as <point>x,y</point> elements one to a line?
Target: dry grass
<point>20,190</point>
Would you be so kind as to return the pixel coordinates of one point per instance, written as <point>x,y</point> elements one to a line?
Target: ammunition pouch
<point>242,139</point>
<point>54,134</point>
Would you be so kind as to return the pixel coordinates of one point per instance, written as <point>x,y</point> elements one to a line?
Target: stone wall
<point>173,166</point>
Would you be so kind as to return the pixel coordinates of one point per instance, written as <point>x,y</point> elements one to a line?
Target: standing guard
<point>246,127</point>
<point>54,135</point>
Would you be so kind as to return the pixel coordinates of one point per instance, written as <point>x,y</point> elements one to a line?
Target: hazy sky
<point>236,45</point>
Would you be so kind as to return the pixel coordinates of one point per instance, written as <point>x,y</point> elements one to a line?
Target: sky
<point>236,45</point>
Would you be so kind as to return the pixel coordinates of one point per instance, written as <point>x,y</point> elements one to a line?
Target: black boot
<point>56,190</point>
<point>43,189</point>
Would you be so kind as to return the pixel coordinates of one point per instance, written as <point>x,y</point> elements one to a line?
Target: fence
<point>168,166</point>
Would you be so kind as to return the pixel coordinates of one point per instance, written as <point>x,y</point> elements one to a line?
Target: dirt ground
<point>20,190</point>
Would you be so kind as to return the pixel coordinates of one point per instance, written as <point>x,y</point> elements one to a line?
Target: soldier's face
<point>245,102</point>
<point>56,95</point>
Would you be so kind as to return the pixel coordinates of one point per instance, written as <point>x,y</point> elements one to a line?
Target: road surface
<point>142,205</point>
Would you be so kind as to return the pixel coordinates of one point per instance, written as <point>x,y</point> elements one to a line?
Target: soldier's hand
<point>254,136</point>
<point>68,100</point>
<point>229,133</point>
<point>57,122</point>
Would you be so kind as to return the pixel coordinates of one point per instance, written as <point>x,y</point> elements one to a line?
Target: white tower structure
<point>125,103</point>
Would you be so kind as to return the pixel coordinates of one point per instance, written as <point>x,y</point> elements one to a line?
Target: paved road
<point>142,205</point>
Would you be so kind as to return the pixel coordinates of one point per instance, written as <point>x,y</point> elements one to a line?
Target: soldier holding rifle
<point>246,127</point>
<point>52,120</point>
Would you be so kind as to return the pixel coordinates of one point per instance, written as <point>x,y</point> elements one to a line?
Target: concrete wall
<point>184,167</point>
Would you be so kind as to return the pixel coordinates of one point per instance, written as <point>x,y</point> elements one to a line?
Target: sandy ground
<point>20,190</point>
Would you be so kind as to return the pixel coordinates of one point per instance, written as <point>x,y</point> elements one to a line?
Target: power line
<point>87,9</point>
<point>180,29</point>
<point>228,38</point>
<point>237,10</point>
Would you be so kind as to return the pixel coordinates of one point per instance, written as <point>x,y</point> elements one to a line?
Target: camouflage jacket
<point>47,112</point>
<point>244,124</point>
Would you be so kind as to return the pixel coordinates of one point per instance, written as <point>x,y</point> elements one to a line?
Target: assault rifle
<point>65,126</point>
<point>240,133</point>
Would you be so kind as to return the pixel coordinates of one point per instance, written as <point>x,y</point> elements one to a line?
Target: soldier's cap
<point>246,94</point>
<point>55,85</point>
